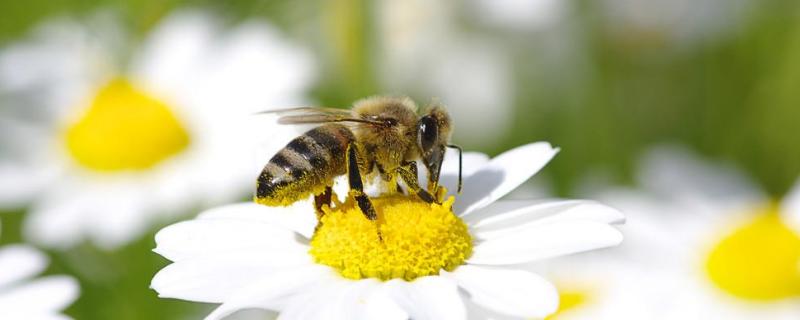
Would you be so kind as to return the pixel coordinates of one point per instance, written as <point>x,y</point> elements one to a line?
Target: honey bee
<point>378,136</point>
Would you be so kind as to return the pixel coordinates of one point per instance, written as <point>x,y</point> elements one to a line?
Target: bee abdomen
<point>310,151</point>
<point>305,166</point>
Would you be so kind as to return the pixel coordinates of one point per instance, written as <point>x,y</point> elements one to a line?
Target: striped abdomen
<point>305,166</point>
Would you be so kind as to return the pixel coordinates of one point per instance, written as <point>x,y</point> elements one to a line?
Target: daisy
<point>21,298</point>
<point>422,49</point>
<point>100,148</point>
<point>677,23</point>
<point>702,242</point>
<point>520,14</point>
<point>435,261</point>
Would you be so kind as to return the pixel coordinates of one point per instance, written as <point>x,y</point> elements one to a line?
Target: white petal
<point>341,187</point>
<point>310,305</point>
<point>53,67</point>
<point>524,15</point>
<point>215,278</point>
<point>250,68</point>
<point>431,297</point>
<point>545,241</point>
<point>512,292</point>
<point>109,211</point>
<point>257,64</point>
<point>32,315</point>
<point>338,298</point>
<point>472,162</point>
<point>363,299</point>
<point>448,177</point>
<point>199,237</point>
<point>512,215</point>
<point>678,173</point>
<point>26,169</point>
<point>171,53</point>
<point>476,312</point>
<point>317,303</point>
<point>450,76</point>
<point>253,314</point>
<point>57,220</point>
<point>270,292</point>
<point>378,305</point>
<point>19,184</point>
<point>503,174</point>
<point>118,221</point>
<point>790,208</point>
<point>19,262</point>
<point>298,217</point>
<point>52,293</point>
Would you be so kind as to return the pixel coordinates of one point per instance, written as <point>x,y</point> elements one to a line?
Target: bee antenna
<point>460,161</point>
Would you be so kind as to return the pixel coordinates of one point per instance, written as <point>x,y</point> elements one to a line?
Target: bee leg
<point>391,180</point>
<point>356,186</point>
<point>322,199</point>
<point>408,170</point>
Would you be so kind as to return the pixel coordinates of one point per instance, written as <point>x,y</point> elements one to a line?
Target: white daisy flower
<point>520,14</point>
<point>447,261</point>
<point>678,22</point>
<point>701,243</point>
<point>121,146</point>
<point>22,298</point>
<point>422,50</point>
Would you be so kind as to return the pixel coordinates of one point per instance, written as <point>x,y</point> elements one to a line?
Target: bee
<point>378,136</point>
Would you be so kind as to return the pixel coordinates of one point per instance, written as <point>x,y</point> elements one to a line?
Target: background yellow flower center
<point>570,298</point>
<point>419,239</point>
<point>759,261</point>
<point>125,129</point>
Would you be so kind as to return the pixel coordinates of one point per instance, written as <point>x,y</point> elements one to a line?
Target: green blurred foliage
<point>733,99</point>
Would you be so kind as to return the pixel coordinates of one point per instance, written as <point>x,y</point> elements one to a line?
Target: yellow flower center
<point>125,129</point>
<point>759,261</point>
<point>569,299</point>
<point>416,239</point>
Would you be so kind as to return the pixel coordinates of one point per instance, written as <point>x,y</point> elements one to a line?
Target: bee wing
<point>316,115</point>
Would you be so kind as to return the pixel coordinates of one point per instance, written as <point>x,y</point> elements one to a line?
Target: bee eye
<point>428,132</point>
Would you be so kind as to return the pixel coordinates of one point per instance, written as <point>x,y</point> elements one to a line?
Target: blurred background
<point>604,80</point>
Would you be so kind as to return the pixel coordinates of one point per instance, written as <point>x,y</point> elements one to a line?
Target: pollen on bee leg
<point>441,192</point>
<point>410,239</point>
<point>335,200</point>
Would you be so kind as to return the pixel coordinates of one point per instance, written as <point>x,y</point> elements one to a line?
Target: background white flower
<point>423,53</point>
<point>520,14</point>
<point>210,79</point>
<point>250,256</point>
<point>686,210</point>
<point>23,298</point>
<point>676,22</point>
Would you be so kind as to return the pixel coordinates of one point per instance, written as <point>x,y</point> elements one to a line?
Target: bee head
<point>433,134</point>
